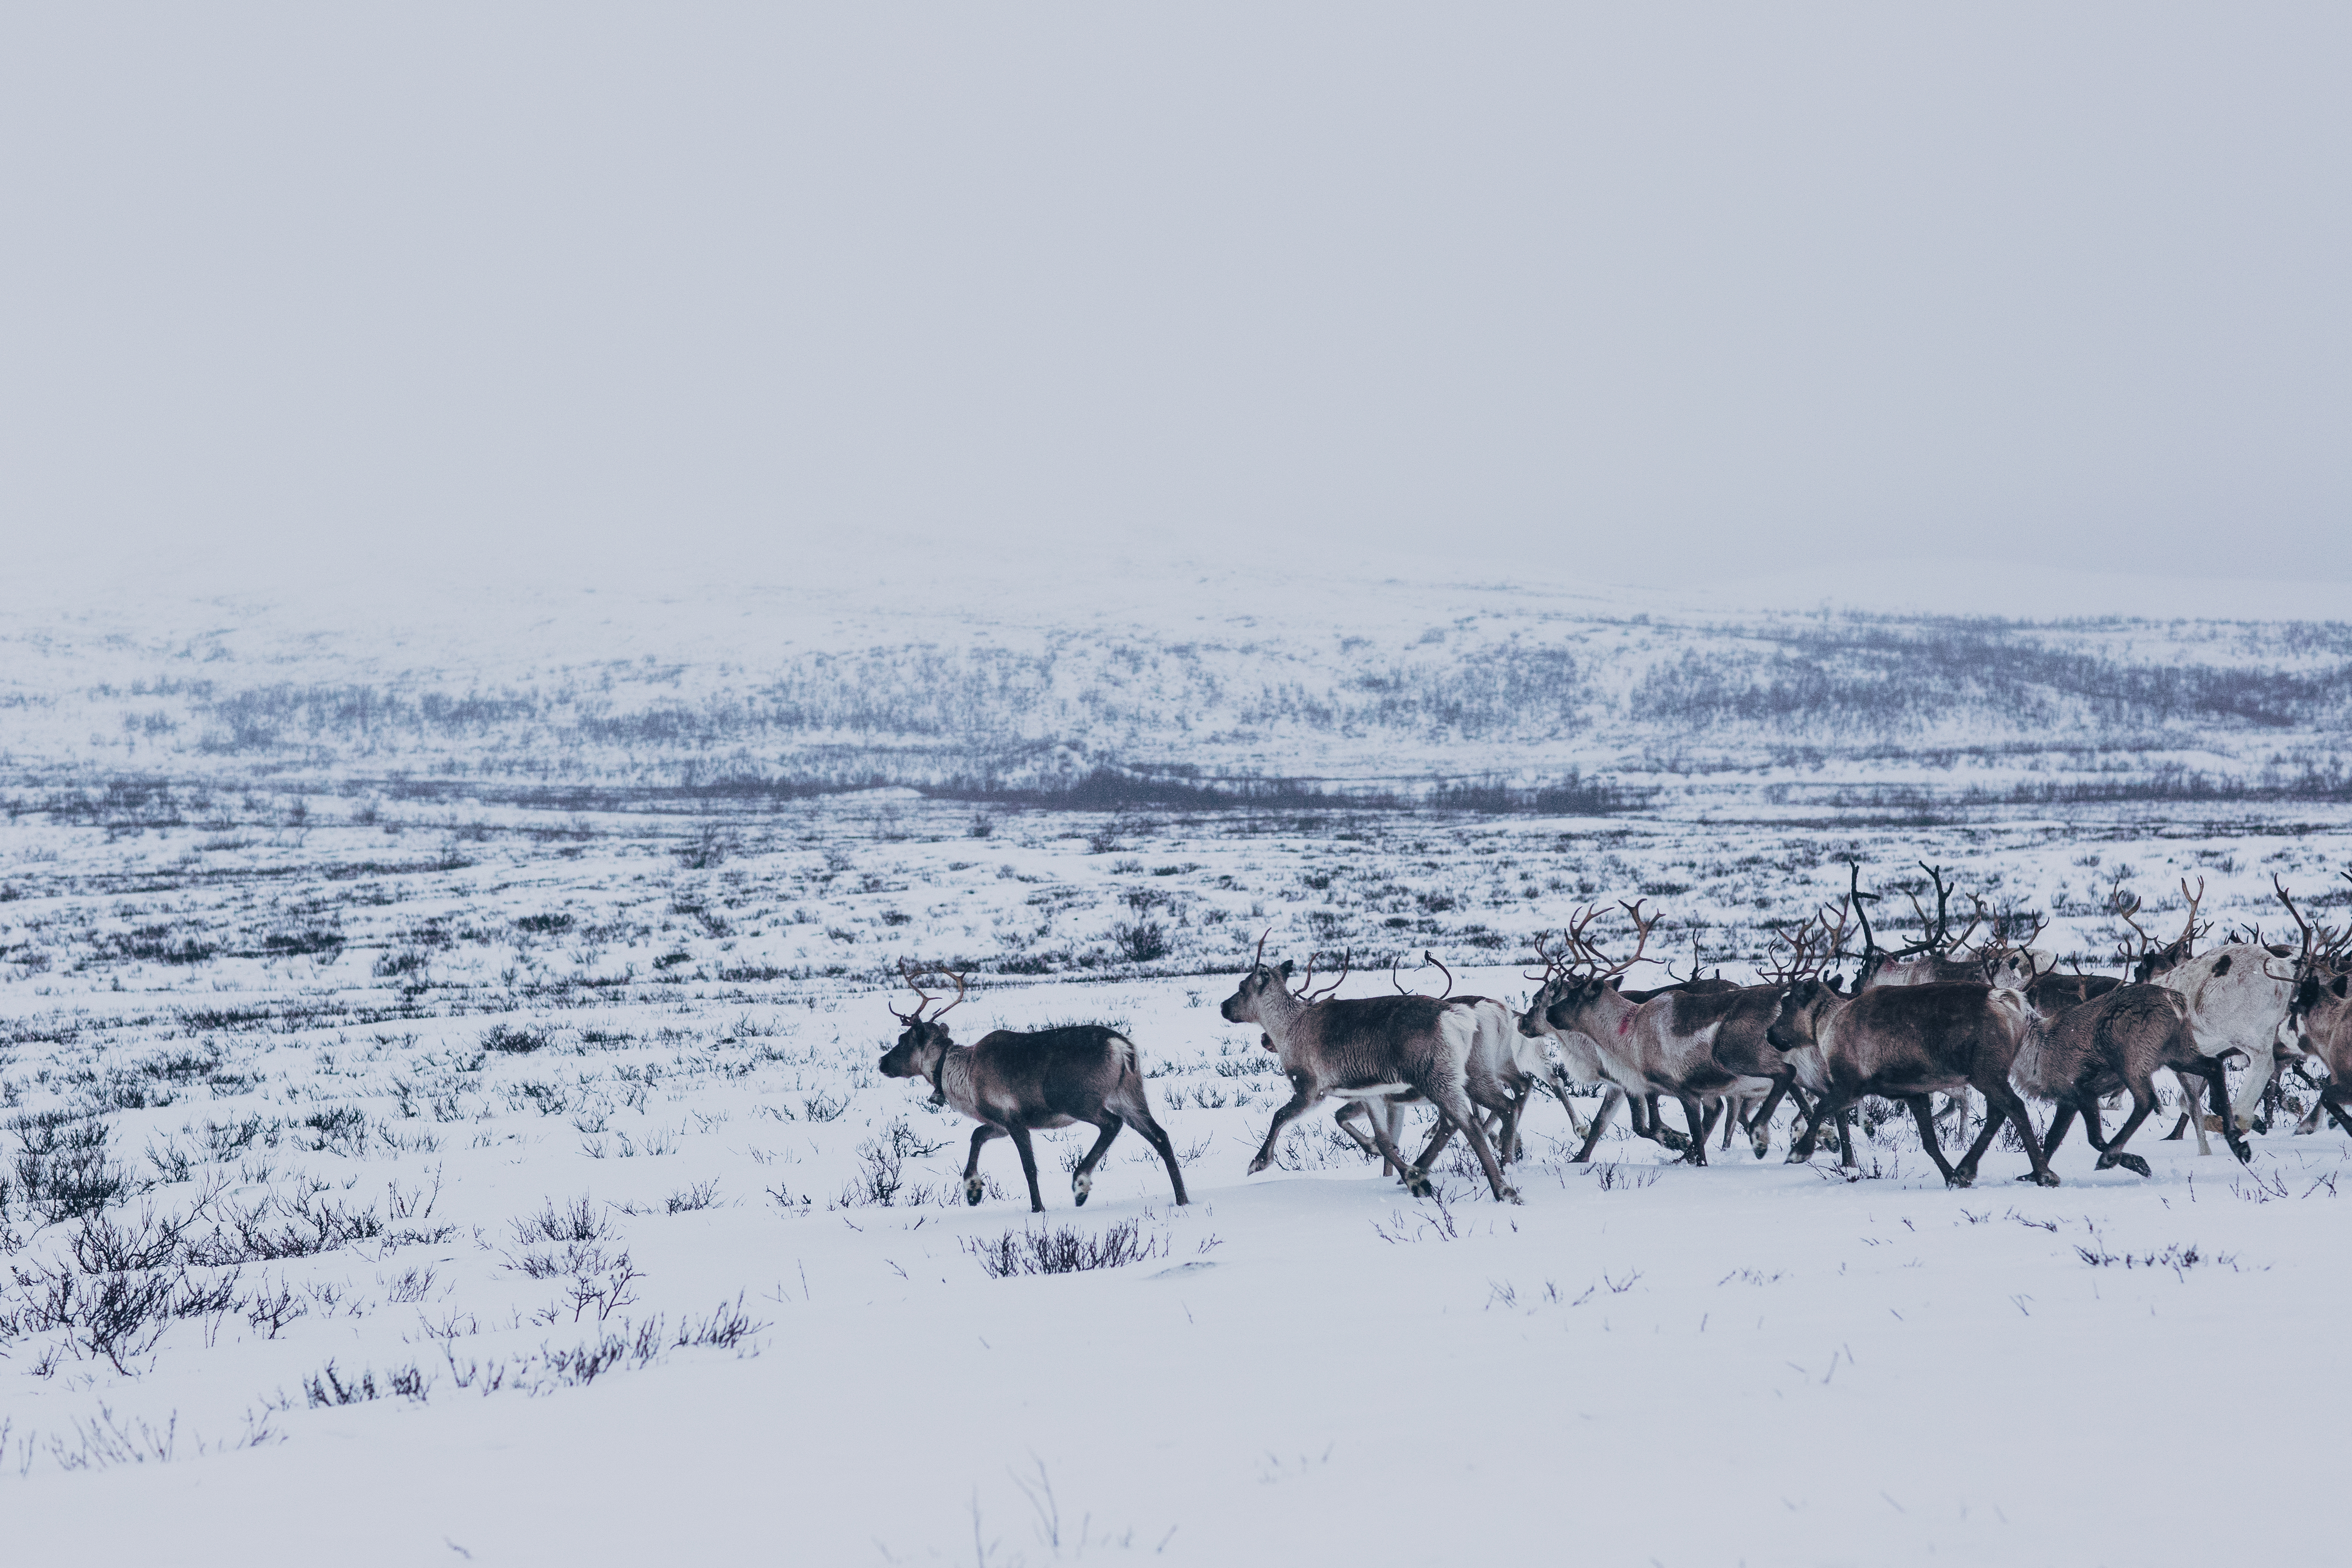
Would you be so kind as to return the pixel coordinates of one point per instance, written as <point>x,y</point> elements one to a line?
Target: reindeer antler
<point>1642,941</point>
<point>1429,957</point>
<point>1976,919</point>
<point>1862,902</point>
<point>2124,907</point>
<point>1550,962</point>
<point>1801,948</point>
<point>1998,948</point>
<point>1698,963</point>
<point>1836,933</point>
<point>2189,927</point>
<point>924,998</point>
<point>1576,952</point>
<point>1306,986</point>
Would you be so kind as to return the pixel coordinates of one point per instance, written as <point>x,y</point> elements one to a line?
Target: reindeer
<point>2318,1017</point>
<point>1929,961</point>
<point>1011,1084</point>
<point>1505,1070</point>
<point>2238,999</point>
<point>1370,1048</point>
<point>1907,1043</point>
<point>1932,961</point>
<point>1663,1046</point>
<point>2119,1040</point>
<point>2323,1016</point>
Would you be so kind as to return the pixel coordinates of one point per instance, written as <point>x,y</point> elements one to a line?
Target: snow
<point>499,1112</point>
<point>1746,1362</point>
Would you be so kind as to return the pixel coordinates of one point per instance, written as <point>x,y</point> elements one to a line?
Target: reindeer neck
<point>1279,1012</point>
<point>1612,1007</point>
<point>958,1058</point>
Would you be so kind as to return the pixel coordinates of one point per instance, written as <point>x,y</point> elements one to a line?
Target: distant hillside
<point>1218,685</point>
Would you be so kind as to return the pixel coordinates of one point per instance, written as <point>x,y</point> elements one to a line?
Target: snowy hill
<point>1222,676</point>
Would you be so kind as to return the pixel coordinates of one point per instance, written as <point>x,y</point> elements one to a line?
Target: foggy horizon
<point>1644,296</point>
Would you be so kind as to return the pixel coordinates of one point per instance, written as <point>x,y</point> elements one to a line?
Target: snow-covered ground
<point>518,1188</point>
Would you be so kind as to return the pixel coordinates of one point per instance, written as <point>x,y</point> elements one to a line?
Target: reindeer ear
<point>2343,983</point>
<point>1616,982</point>
<point>1284,968</point>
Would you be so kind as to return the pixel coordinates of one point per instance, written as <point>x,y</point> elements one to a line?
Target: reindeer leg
<point>1510,1150</point>
<point>980,1136</point>
<point>1439,1136</point>
<point>1557,1083</point>
<point>1609,1100</point>
<point>2090,1129</point>
<point>2001,1101</point>
<point>1825,1110</point>
<point>2245,1111</point>
<point>1700,1125</point>
<point>1020,1135</point>
<point>1647,1125</point>
<point>1959,1119</point>
<point>1139,1113</point>
<point>1729,1111</point>
<point>2061,1120</point>
<point>1847,1158</point>
<point>1760,1120</point>
<point>2143,1104</point>
<point>2213,1079</point>
<point>1454,1104</point>
<point>1304,1096</point>
<point>1923,1111</point>
<point>2229,1117</point>
<point>1082,1180</point>
<point>2333,1102</point>
<point>2319,1111</point>
<point>1386,1125</point>
<point>1344,1120</point>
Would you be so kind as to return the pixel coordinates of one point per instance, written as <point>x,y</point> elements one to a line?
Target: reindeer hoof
<point>1257,1165</point>
<point>1417,1183</point>
<point>2135,1165</point>
<point>971,1193</point>
<point>2245,1153</point>
<point>1511,1195</point>
<point>1080,1187</point>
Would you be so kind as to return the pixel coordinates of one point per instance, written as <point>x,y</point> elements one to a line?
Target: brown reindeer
<point>2322,1013</point>
<point>1661,1046</point>
<point>2320,1017</point>
<point>1371,1048</point>
<point>1905,1043</point>
<point>2119,1040</point>
<point>1013,1083</point>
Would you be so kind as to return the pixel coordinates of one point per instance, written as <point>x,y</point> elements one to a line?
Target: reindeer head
<point>2320,1002</point>
<point>924,1040</point>
<point>1265,979</point>
<point>1580,974</point>
<point>1797,1022</point>
<point>2152,960</point>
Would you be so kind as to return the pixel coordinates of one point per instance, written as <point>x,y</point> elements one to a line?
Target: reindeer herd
<point>1934,1016</point>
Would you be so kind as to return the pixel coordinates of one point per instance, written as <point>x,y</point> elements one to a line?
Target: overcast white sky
<point>1641,291</point>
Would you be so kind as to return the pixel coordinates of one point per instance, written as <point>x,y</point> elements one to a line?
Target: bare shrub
<point>1064,1250</point>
